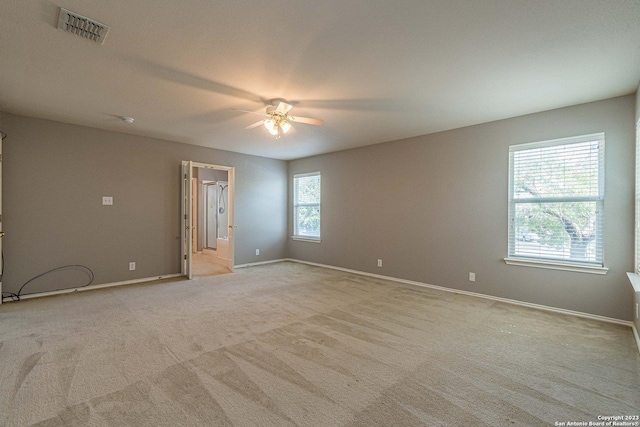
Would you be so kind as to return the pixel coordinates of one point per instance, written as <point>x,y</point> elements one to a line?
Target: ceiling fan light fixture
<point>270,125</point>
<point>278,121</point>
<point>274,131</point>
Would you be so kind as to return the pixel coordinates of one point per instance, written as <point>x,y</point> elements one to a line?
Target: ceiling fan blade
<point>251,112</point>
<point>307,120</point>
<point>283,108</point>
<point>254,125</point>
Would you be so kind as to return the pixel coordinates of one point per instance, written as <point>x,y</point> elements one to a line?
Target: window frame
<point>296,235</point>
<point>597,267</point>
<point>637,202</point>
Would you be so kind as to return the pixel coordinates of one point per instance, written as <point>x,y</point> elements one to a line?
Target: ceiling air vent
<point>82,26</point>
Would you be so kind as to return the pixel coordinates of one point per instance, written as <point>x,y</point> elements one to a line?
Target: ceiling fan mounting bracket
<point>275,101</point>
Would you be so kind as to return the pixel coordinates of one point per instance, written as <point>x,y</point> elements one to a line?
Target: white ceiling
<point>375,71</point>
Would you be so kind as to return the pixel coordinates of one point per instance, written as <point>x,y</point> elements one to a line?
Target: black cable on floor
<point>16,296</point>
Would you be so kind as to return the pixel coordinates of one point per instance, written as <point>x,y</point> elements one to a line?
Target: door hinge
<point>185,176</point>
<point>185,257</point>
<point>185,217</point>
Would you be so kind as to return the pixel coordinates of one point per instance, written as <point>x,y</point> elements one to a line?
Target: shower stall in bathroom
<point>216,217</point>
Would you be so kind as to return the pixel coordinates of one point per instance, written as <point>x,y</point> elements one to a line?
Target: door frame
<point>186,213</point>
<point>195,204</point>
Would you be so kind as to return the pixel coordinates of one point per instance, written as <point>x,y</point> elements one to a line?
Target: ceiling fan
<point>278,121</point>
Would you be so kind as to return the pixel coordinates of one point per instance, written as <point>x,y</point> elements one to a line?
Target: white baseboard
<point>92,287</point>
<point>475,294</point>
<point>126,282</point>
<point>251,264</point>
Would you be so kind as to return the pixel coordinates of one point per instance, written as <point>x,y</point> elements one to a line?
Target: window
<point>556,197</point>
<point>306,206</point>
<point>637,243</point>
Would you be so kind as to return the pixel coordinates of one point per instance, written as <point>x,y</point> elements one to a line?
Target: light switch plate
<point>107,200</point>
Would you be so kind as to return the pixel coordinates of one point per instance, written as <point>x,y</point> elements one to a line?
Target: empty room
<point>319,213</point>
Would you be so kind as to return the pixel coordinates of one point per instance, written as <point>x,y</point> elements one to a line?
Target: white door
<point>194,215</point>
<point>185,215</point>
<point>231,177</point>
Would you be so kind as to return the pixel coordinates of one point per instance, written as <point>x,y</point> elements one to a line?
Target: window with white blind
<point>637,243</point>
<point>306,206</point>
<point>556,199</point>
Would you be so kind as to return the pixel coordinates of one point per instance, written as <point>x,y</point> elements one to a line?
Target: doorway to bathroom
<point>207,215</point>
<point>212,223</point>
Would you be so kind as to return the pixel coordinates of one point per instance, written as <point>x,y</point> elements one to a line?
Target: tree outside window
<point>556,200</point>
<point>306,205</point>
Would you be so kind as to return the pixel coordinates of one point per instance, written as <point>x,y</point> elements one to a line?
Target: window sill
<point>523,262</point>
<point>306,239</point>
<point>634,278</point>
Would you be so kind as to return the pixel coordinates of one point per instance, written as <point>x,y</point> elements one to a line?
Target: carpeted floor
<point>289,344</point>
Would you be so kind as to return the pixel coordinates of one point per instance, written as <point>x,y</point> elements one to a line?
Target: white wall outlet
<point>257,251</point>
<point>107,200</point>
<point>379,263</point>
<point>132,266</point>
<point>472,277</point>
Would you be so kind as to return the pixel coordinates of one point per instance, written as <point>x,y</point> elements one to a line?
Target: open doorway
<point>212,229</point>
<point>207,218</point>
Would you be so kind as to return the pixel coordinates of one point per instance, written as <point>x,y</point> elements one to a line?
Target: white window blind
<point>637,240</point>
<point>306,206</point>
<point>556,199</point>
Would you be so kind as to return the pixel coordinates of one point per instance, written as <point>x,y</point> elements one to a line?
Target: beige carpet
<point>288,344</point>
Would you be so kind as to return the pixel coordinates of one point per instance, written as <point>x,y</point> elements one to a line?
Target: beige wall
<point>434,208</point>
<point>54,178</point>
